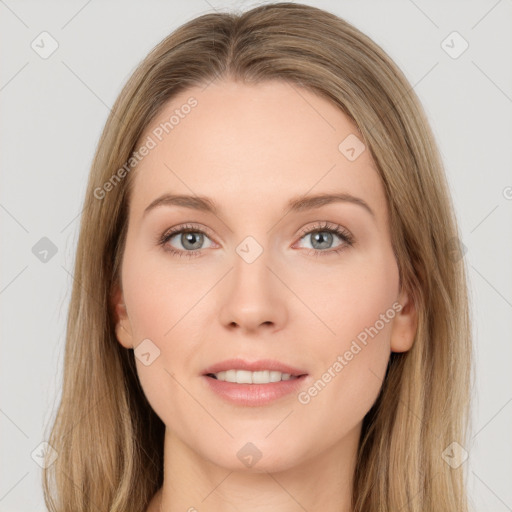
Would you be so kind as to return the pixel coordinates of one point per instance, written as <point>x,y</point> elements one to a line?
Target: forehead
<point>251,146</point>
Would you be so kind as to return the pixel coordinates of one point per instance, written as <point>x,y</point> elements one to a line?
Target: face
<point>311,285</point>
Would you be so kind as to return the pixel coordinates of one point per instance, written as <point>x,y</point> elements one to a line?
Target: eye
<point>191,239</point>
<point>322,238</point>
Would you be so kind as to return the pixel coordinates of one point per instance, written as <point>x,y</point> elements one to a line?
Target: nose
<point>253,297</point>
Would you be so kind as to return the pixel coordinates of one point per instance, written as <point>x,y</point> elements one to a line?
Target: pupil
<point>189,238</point>
<point>324,240</point>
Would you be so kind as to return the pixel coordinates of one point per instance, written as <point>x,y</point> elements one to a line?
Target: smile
<point>248,377</point>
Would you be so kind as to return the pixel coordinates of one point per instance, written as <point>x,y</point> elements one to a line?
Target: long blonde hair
<point>108,439</point>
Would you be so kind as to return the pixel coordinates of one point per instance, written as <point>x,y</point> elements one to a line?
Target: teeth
<point>247,377</point>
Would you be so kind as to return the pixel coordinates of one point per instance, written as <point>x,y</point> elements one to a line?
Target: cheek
<point>161,309</point>
<point>354,356</point>
<point>164,306</point>
<point>352,297</point>
<point>157,297</point>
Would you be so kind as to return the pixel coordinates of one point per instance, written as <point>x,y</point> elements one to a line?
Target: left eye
<point>190,240</point>
<point>323,239</point>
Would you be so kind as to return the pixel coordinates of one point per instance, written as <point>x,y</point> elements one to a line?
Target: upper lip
<point>253,366</point>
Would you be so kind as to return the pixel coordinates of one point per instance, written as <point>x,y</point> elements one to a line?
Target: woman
<point>248,370</point>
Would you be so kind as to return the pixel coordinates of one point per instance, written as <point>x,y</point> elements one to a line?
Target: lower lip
<point>251,395</point>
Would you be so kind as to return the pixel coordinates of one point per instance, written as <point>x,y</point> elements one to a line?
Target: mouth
<point>239,371</point>
<point>247,377</point>
<point>255,383</point>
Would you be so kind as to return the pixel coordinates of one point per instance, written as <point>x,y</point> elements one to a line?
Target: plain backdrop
<point>53,110</point>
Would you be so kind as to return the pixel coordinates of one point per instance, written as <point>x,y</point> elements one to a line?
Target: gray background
<point>53,111</point>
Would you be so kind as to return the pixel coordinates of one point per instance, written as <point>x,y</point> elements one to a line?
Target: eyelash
<point>341,232</point>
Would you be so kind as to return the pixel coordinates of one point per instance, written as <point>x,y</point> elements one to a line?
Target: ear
<point>405,323</point>
<point>123,326</point>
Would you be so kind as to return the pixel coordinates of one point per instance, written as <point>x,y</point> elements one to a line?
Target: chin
<point>255,457</point>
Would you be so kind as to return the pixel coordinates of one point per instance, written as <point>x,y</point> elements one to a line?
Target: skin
<point>251,148</point>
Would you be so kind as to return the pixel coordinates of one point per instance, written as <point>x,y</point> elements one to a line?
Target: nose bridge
<point>252,297</point>
<point>251,275</point>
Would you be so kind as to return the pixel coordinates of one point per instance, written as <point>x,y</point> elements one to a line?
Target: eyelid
<point>324,225</point>
<point>189,226</point>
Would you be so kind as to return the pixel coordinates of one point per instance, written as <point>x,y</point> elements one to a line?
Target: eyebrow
<point>297,204</point>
